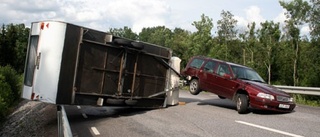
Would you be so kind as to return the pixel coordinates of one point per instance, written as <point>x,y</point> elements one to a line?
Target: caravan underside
<point>118,75</point>
<point>94,68</point>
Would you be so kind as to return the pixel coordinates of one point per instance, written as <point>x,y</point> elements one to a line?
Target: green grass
<point>307,100</point>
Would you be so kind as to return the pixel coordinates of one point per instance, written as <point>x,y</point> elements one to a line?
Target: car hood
<point>267,88</point>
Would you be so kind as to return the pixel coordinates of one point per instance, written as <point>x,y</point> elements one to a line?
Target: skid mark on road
<point>269,129</point>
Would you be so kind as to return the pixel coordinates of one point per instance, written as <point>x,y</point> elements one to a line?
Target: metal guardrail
<point>300,90</point>
<point>289,89</point>
<point>64,129</point>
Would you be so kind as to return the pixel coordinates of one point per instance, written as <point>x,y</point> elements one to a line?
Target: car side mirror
<point>227,76</point>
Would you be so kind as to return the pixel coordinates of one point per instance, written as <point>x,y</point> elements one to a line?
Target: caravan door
<point>43,61</point>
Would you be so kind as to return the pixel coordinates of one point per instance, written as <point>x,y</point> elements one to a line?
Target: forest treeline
<point>278,52</point>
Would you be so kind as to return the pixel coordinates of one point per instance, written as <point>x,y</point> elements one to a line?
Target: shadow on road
<point>223,103</point>
<point>112,111</point>
<point>228,104</point>
<point>89,114</point>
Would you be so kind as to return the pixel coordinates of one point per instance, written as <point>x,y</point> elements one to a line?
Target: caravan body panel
<point>47,61</point>
<point>74,65</point>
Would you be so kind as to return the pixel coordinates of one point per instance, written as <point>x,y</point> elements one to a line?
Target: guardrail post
<point>64,129</point>
<point>59,118</point>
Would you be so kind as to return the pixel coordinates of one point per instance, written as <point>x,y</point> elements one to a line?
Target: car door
<point>224,81</point>
<point>193,67</point>
<point>207,76</point>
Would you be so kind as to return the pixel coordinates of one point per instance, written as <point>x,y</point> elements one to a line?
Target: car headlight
<point>266,96</point>
<point>188,78</point>
<point>290,99</point>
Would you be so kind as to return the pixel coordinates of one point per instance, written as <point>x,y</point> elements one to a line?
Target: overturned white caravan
<point>73,65</point>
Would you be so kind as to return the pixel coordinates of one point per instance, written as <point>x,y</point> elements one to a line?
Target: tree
<point>13,46</point>
<point>296,16</point>
<point>10,87</point>
<point>313,52</point>
<point>181,42</point>
<point>249,40</point>
<point>21,47</point>
<point>226,32</point>
<point>269,36</point>
<point>3,43</point>
<point>159,35</point>
<point>124,32</point>
<point>314,20</point>
<point>202,39</point>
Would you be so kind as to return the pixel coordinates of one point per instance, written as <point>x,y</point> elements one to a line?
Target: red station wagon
<point>236,82</point>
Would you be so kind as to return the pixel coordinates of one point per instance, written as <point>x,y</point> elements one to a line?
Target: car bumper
<point>265,104</point>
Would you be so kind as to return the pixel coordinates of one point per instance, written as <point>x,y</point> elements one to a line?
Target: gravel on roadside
<point>31,119</point>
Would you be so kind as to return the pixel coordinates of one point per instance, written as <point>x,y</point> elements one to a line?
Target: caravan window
<point>31,60</point>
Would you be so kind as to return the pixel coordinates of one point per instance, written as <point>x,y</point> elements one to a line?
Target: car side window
<point>209,67</point>
<point>238,72</point>
<point>223,69</point>
<point>196,63</point>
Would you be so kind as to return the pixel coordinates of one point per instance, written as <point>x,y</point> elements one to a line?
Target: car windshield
<point>246,74</point>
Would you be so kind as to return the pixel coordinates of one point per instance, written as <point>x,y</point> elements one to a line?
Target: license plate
<point>284,106</point>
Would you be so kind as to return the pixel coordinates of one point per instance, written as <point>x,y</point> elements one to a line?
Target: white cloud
<point>83,12</point>
<point>136,14</point>
<point>242,22</point>
<point>253,15</point>
<point>26,11</point>
<point>305,31</point>
<point>97,14</point>
<point>281,17</point>
<point>139,13</point>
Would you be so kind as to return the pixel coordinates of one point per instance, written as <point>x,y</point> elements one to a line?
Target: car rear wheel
<point>194,87</point>
<point>242,103</point>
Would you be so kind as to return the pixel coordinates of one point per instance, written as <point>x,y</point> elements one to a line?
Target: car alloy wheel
<point>194,87</point>
<point>242,103</point>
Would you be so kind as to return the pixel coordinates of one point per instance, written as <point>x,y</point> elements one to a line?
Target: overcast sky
<point>136,14</point>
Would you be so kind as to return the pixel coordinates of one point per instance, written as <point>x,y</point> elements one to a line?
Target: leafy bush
<point>307,100</point>
<point>4,96</point>
<point>10,89</point>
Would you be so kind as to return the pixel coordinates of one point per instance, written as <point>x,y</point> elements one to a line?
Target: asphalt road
<point>204,115</point>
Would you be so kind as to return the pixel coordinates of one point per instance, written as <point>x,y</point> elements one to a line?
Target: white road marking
<point>95,131</point>
<point>78,107</point>
<point>269,129</point>
<point>84,115</point>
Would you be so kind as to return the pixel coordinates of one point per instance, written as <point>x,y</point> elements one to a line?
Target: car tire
<point>221,97</point>
<point>131,102</point>
<point>115,101</point>
<point>242,103</point>
<point>137,45</point>
<point>194,87</point>
<point>120,41</point>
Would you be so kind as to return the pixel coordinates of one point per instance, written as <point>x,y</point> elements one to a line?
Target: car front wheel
<point>242,103</point>
<point>194,87</point>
